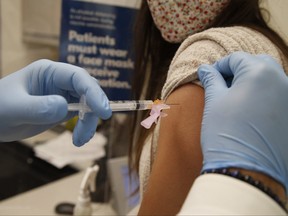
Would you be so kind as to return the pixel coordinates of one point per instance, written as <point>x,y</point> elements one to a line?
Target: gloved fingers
<point>71,82</point>
<point>54,78</point>
<point>57,74</point>
<point>96,99</point>
<point>271,62</point>
<point>98,102</point>
<point>232,64</point>
<point>77,80</point>
<point>41,110</point>
<point>85,129</point>
<point>266,57</point>
<point>70,78</point>
<point>212,80</point>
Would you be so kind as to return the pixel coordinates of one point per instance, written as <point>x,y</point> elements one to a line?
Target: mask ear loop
<point>155,114</point>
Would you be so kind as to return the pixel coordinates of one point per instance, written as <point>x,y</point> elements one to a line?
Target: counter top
<point>42,200</point>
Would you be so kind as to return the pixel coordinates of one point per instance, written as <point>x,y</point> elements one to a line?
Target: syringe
<point>116,106</point>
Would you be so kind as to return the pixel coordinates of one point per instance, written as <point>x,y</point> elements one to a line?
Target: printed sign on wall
<point>98,37</point>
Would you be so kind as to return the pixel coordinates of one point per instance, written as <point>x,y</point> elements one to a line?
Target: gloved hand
<point>35,98</point>
<point>246,125</point>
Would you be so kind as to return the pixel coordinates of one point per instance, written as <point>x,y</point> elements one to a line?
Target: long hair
<point>153,52</point>
<point>153,55</point>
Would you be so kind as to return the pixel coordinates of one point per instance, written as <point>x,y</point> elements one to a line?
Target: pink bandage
<point>155,113</point>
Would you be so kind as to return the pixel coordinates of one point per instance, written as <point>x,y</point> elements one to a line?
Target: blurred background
<point>30,30</point>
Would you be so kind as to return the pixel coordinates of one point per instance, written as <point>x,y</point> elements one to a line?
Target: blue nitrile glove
<point>246,125</point>
<point>35,98</point>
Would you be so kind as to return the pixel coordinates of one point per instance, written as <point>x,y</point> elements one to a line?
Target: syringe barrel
<point>131,105</point>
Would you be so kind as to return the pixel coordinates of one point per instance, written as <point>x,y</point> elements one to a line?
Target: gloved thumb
<point>41,110</point>
<point>212,80</point>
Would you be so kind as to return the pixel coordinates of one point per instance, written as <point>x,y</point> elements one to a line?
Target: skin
<point>179,159</point>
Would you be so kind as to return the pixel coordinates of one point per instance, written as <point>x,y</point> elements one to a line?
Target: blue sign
<point>98,37</point>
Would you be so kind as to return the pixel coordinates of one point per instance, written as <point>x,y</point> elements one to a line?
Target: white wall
<point>279,16</point>
<point>15,53</point>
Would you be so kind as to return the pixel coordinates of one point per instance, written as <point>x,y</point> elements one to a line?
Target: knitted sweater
<point>204,48</point>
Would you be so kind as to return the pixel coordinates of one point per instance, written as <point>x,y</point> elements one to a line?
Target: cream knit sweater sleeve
<point>211,45</point>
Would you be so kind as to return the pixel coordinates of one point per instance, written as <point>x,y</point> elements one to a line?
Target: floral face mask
<point>177,19</point>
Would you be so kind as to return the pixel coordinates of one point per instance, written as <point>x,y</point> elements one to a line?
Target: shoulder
<point>230,39</point>
<point>236,33</point>
<point>209,46</point>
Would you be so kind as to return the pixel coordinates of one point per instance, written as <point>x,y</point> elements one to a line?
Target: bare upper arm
<point>179,158</point>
